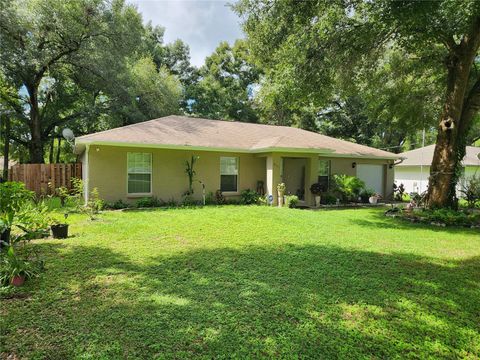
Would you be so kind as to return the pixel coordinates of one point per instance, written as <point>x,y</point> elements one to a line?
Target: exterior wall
<point>414,181</point>
<point>344,166</point>
<point>108,172</point>
<point>412,178</point>
<point>294,175</point>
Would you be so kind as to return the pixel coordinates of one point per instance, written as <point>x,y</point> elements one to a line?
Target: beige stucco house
<point>148,159</point>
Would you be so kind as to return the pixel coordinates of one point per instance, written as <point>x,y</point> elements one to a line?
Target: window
<point>324,173</point>
<point>228,174</point>
<point>139,173</point>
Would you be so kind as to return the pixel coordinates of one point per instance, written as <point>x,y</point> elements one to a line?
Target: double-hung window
<point>229,174</point>
<point>324,173</point>
<point>139,173</point>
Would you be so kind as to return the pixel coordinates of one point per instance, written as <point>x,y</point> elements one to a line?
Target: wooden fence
<point>43,178</point>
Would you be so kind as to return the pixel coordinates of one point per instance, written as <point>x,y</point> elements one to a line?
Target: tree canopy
<point>312,50</point>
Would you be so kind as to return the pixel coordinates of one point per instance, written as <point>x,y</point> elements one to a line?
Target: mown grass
<point>249,282</point>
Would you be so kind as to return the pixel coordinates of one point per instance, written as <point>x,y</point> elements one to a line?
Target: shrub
<point>291,201</point>
<point>210,198</point>
<point>366,194</point>
<point>188,200</point>
<point>249,197</point>
<point>15,201</point>
<point>446,216</point>
<point>398,192</point>
<point>148,202</point>
<point>471,191</point>
<point>328,198</point>
<point>219,198</point>
<point>119,204</point>
<point>349,187</point>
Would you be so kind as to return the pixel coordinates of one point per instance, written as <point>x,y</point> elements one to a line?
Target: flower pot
<point>60,231</point>
<point>317,200</point>
<point>280,198</point>
<point>18,280</point>
<point>372,199</point>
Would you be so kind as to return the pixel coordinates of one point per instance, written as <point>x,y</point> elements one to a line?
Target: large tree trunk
<point>456,119</point>
<point>6,147</point>
<point>36,144</point>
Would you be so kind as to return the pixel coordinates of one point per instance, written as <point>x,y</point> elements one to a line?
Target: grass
<point>249,282</point>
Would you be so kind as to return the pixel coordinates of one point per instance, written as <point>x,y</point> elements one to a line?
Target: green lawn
<point>249,282</point>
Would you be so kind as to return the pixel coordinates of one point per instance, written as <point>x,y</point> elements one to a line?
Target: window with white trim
<point>139,169</point>
<point>229,174</point>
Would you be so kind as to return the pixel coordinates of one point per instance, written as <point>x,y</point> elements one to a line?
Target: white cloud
<point>200,24</point>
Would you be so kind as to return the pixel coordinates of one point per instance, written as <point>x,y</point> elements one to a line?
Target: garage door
<point>372,175</point>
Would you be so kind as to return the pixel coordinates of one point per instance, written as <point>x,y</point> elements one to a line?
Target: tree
<point>317,46</point>
<point>46,44</point>
<point>226,85</point>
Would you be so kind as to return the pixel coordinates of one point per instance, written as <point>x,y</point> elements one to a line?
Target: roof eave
<point>80,145</point>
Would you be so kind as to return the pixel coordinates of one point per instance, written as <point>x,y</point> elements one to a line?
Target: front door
<point>294,176</point>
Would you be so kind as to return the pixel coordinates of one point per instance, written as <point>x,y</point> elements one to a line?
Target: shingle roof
<point>181,131</point>
<point>424,156</point>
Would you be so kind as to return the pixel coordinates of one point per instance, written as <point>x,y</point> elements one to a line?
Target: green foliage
<point>20,215</point>
<point>210,198</point>
<point>219,198</point>
<point>471,191</point>
<point>446,217</point>
<point>398,192</point>
<point>249,197</point>
<point>328,198</point>
<point>12,265</point>
<point>148,202</point>
<point>226,85</point>
<point>291,201</point>
<point>189,169</point>
<point>117,205</point>
<point>188,200</point>
<point>348,187</point>
<point>281,187</point>
<point>365,195</point>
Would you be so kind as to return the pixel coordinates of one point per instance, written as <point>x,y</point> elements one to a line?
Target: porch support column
<point>273,175</point>
<point>311,177</point>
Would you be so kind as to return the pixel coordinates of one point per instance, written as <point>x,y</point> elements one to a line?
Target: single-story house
<point>414,170</point>
<point>148,159</point>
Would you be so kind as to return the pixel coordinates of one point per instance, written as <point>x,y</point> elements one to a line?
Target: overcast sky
<point>201,24</point>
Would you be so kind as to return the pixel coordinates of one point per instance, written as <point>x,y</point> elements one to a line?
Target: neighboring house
<point>148,159</point>
<point>414,171</point>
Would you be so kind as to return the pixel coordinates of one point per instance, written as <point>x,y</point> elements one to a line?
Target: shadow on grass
<point>313,301</point>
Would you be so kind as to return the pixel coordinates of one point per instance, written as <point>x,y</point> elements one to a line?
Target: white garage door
<point>372,175</point>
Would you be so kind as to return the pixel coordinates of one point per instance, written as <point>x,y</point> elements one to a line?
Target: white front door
<point>373,176</point>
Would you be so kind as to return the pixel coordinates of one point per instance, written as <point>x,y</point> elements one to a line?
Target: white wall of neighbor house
<point>415,180</point>
<point>412,178</point>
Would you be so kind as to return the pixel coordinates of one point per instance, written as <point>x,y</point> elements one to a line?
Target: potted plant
<point>14,270</point>
<point>366,194</point>
<point>316,189</point>
<point>374,198</point>
<point>59,230</point>
<point>281,192</point>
